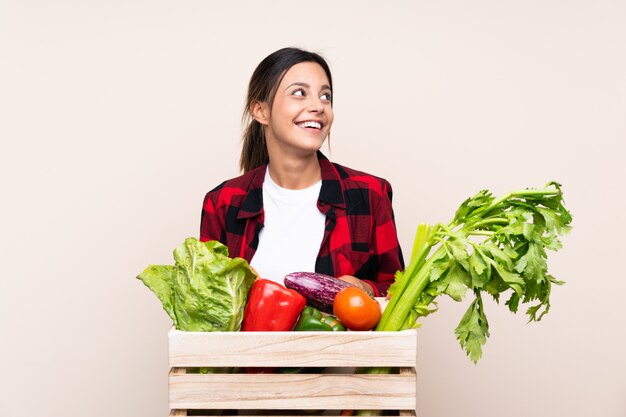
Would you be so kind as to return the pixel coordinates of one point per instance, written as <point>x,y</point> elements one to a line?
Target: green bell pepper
<point>312,320</point>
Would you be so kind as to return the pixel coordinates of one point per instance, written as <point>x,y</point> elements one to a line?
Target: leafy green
<point>205,290</point>
<point>493,245</point>
<point>473,330</point>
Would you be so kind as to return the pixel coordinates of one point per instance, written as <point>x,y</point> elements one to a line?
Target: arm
<point>385,246</point>
<point>385,255</point>
<point>211,225</point>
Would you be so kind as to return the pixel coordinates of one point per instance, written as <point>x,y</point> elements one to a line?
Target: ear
<point>260,112</point>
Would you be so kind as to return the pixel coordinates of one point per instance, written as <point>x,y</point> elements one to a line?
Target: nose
<point>316,105</point>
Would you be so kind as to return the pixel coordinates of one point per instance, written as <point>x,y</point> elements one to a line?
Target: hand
<point>365,286</point>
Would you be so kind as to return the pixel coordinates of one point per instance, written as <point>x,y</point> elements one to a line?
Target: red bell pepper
<point>271,307</point>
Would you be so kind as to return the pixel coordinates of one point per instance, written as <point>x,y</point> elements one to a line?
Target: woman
<point>292,209</point>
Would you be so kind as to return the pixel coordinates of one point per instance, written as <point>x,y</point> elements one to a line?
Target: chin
<point>310,144</point>
<point>315,147</point>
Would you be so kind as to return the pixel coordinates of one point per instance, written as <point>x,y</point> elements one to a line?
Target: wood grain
<point>292,349</point>
<point>288,391</point>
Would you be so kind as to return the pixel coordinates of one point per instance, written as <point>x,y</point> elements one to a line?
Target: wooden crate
<point>330,390</point>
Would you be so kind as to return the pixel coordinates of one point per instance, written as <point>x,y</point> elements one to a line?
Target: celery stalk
<point>421,247</point>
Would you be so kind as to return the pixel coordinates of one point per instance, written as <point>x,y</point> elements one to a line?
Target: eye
<point>326,96</point>
<point>298,92</point>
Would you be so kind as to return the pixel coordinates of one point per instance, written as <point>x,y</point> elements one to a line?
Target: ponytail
<point>254,150</point>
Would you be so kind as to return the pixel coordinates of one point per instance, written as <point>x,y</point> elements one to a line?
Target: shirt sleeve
<point>386,252</point>
<point>211,225</point>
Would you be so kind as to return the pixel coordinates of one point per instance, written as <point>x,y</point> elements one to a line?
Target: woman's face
<point>301,115</point>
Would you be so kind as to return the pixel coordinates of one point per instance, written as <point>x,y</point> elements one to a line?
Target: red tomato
<point>357,310</point>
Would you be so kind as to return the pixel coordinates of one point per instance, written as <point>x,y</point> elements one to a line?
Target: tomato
<point>355,309</point>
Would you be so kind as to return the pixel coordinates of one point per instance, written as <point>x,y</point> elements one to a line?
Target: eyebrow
<point>324,87</point>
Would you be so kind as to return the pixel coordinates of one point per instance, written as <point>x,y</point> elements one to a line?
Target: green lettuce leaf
<point>160,279</point>
<point>205,290</point>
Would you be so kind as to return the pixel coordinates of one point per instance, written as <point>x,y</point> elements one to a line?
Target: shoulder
<point>353,179</point>
<point>228,191</point>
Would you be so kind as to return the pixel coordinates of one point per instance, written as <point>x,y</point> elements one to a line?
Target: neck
<point>295,173</point>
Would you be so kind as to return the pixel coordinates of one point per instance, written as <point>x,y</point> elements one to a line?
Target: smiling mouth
<point>310,124</point>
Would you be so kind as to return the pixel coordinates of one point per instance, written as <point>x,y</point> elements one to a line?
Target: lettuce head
<point>205,290</point>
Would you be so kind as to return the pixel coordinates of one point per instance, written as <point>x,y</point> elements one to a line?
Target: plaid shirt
<point>360,237</point>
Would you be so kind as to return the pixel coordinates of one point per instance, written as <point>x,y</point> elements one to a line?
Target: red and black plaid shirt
<point>360,237</point>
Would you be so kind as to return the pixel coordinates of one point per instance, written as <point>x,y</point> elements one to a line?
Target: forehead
<point>305,72</point>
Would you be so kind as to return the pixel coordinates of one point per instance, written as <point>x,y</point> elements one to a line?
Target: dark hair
<point>262,88</point>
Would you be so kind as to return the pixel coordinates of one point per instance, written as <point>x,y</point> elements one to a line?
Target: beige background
<point>117,116</point>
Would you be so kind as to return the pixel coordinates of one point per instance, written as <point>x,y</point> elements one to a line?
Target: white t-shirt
<point>293,230</point>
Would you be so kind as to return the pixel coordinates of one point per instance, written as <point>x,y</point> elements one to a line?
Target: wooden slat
<point>286,392</point>
<point>178,413</point>
<point>413,373</point>
<point>292,349</point>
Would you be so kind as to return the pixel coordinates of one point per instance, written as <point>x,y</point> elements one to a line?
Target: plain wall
<point>116,117</point>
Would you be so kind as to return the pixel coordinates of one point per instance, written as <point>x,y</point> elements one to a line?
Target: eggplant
<point>318,289</point>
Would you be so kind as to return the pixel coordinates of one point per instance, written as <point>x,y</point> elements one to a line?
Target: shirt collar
<point>332,186</point>
<point>330,193</point>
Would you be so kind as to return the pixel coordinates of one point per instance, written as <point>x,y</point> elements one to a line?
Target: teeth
<point>316,125</point>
